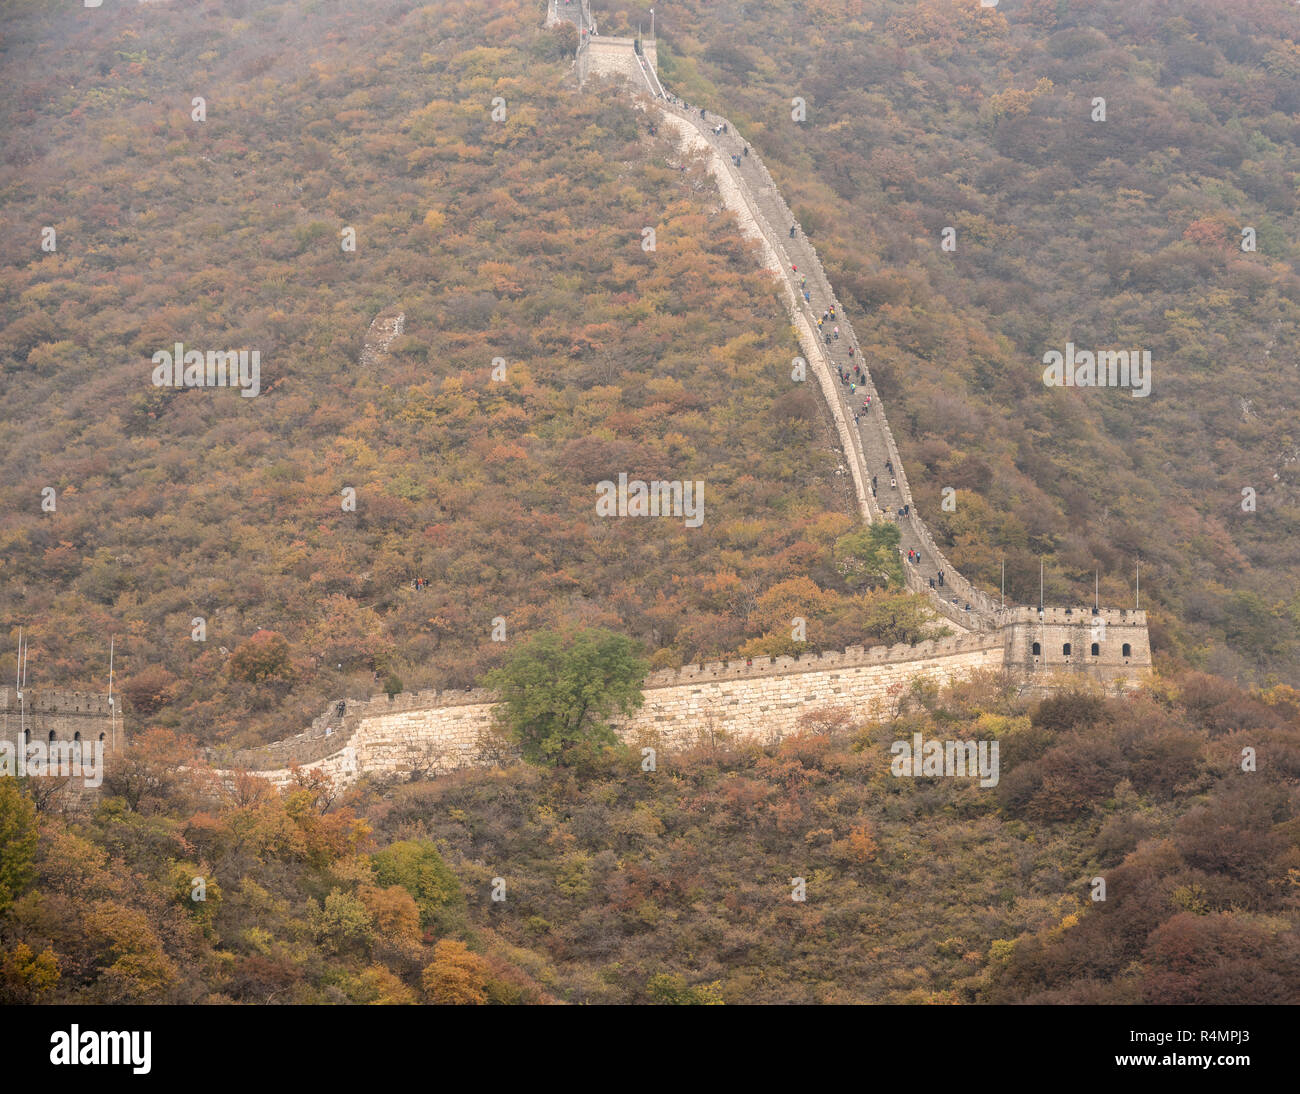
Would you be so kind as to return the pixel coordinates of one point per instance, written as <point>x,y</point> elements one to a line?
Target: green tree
<point>417,867</point>
<point>868,557</point>
<point>559,691</point>
<point>900,617</point>
<point>668,989</point>
<point>17,842</point>
<point>342,923</point>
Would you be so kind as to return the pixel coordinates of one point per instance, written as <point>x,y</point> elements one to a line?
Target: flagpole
<point>112,711</point>
<point>18,692</point>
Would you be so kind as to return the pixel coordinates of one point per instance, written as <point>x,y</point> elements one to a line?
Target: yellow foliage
<point>456,977</point>
<point>27,976</point>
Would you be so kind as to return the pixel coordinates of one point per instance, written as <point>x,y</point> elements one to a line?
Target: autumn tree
<point>416,866</point>
<point>456,976</point>
<point>670,989</point>
<point>149,690</point>
<point>133,963</point>
<point>264,657</point>
<point>150,772</point>
<point>26,976</point>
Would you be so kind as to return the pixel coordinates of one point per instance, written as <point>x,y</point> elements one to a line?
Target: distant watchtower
<point>52,716</point>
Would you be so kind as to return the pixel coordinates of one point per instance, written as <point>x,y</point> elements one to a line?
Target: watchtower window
<point>1066,649</point>
<point>1126,650</point>
<point>1096,649</point>
<point>1038,649</point>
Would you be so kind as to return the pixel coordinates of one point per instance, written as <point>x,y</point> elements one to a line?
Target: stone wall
<point>617,57</point>
<point>760,699</point>
<point>764,703</point>
<point>68,715</point>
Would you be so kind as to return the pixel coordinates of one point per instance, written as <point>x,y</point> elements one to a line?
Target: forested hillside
<point>516,240</point>
<point>603,883</point>
<point>1122,233</point>
<point>542,349</point>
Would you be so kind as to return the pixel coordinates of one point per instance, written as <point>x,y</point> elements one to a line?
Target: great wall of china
<point>760,699</point>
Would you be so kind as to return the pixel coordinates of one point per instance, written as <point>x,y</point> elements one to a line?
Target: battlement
<point>50,701</point>
<point>852,657</point>
<point>428,699</point>
<point>1073,616</point>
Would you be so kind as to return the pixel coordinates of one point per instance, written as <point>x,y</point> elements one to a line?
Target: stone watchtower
<point>63,717</point>
<point>1109,645</point>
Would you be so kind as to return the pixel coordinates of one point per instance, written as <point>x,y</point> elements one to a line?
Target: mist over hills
<point>497,343</point>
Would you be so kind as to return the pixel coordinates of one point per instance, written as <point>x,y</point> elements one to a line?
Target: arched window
<point>1096,649</point>
<point>1127,650</point>
<point>77,736</point>
<point>1038,649</point>
<point>1066,649</point>
<point>101,736</point>
<point>51,737</point>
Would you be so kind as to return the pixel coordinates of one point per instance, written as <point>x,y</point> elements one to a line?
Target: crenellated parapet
<point>852,657</point>
<point>90,704</point>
